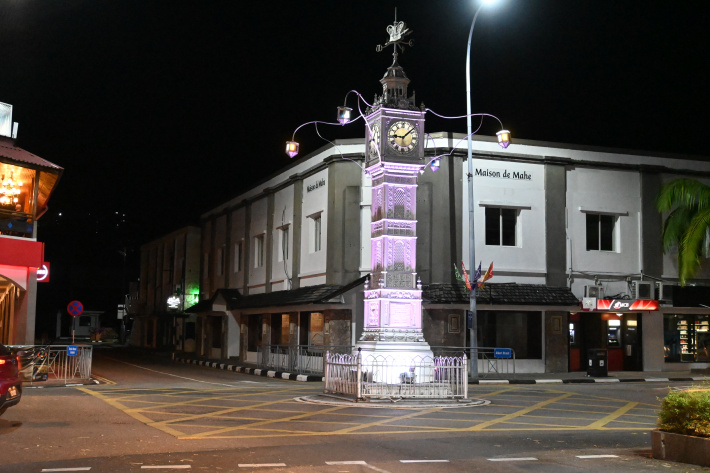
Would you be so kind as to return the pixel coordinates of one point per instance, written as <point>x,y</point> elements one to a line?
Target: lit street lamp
<point>503,140</point>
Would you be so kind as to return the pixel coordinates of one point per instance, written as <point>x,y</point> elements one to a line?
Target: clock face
<point>374,139</point>
<point>402,136</point>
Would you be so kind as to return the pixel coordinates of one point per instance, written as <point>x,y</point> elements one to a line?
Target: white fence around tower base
<point>386,376</point>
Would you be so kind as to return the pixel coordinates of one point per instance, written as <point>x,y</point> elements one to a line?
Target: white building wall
<point>508,185</point>
<point>238,245</point>
<point>611,192</point>
<point>282,268</point>
<point>315,203</point>
<point>257,227</point>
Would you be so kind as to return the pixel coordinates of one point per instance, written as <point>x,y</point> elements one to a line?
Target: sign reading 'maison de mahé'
<point>315,185</point>
<point>503,174</point>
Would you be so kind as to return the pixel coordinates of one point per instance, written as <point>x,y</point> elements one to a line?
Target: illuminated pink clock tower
<point>395,157</point>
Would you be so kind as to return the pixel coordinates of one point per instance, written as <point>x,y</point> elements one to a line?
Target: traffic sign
<point>75,308</point>
<point>502,353</point>
<point>72,350</point>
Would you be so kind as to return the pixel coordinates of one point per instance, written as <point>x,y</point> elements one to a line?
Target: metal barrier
<point>52,364</point>
<point>309,359</point>
<point>489,364</point>
<point>301,359</point>
<point>389,375</point>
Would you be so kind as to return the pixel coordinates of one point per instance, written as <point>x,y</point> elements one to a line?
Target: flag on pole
<point>465,275</point>
<point>478,273</point>
<point>487,276</point>
<point>458,275</point>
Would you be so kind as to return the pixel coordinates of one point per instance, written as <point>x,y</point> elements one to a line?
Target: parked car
<point>10,383</point>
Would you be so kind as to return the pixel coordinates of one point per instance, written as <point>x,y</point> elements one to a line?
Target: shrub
<point>110,333</point>
<point>686,412</point>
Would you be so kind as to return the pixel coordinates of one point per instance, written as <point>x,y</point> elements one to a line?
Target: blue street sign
<point>469,319</point>
<point>502,353</point>
<point>72,350</point>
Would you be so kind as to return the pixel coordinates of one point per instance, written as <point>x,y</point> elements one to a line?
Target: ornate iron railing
<point>393,375</point>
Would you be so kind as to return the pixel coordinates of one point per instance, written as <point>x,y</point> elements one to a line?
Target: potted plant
<point>683,433</point>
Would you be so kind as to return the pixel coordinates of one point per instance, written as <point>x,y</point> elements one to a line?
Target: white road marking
<point>520,459</point>
<point>258,465</point>
<point>170,467</point>
<point>424,461</point>
<point>81,468</point>
<point>597,456</point>
<point>358,462</point>
<point>347,463</point>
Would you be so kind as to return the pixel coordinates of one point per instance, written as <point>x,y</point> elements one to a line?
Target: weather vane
<point>397,31</point>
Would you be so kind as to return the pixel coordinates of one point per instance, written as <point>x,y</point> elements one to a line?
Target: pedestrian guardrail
<point>301,359</point>
<point>54,364</point>
<point>309,359</point>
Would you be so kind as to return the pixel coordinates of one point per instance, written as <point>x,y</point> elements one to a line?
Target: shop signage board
<point>622,305</point>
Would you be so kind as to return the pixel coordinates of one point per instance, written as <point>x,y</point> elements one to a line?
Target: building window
<point>312,327</point>
<point>316,232</point>
<point>237,257</point>
<point>283,243</point>
<point>601,232</point>
<point>501,226</point>
<point>220,261</point>
<point>259,251</point>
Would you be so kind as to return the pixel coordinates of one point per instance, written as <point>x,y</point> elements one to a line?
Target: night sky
<point>160,110</point>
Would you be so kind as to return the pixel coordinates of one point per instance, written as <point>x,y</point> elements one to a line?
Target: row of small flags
<point>477,278</point>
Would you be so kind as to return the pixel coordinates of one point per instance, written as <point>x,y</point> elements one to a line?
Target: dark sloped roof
<point>501,294</point>
<point>319,294</point>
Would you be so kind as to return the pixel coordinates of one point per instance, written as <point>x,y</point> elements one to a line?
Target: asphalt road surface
<point>150,414</point>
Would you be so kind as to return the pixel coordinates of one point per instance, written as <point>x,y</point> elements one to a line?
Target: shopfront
<point>686,338</point>
<point>612,325</point>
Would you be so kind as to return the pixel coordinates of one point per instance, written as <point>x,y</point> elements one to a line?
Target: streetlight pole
<point>471,236</point>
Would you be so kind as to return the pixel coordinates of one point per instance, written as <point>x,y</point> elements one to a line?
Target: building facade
<point>26,183</point>
<point>169,285</point>
<point>573,235</point>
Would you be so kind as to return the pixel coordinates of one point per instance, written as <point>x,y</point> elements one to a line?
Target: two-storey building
<point>571,233</point>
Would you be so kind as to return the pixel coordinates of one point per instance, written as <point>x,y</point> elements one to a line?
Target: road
<point>150,414</point>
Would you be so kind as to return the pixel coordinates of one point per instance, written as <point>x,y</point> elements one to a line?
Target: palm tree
<point>688,224</point>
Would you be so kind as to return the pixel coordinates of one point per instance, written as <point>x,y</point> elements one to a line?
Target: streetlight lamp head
<point>344,115</point>
<point>503,138</point>
<point>489,2</point>
<point>291,148</point>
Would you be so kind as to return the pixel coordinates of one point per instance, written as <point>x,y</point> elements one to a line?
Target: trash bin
<point>597,362</point>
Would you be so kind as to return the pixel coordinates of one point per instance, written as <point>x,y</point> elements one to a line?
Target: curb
<point>588,380</point>
<point>315,378</point>
<point>252,371</point>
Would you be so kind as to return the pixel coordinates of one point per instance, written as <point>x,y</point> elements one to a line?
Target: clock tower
<point>394,158</point>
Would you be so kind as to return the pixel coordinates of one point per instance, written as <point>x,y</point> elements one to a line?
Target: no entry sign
<point>75,308</point>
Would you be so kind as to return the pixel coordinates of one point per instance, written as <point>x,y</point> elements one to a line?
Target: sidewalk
<point>518,378</point>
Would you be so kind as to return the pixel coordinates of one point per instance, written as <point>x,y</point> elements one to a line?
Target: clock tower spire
<point>395,156</point>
